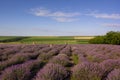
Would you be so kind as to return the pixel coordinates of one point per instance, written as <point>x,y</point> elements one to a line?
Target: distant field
<point>6,37</point>
<point>46,39</point>
<point>83,37</point>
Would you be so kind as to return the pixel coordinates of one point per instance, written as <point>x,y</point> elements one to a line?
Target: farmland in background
<point>46,39</point>
<point>59,62</point>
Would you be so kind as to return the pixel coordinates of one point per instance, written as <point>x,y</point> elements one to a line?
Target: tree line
<point>110,38</point>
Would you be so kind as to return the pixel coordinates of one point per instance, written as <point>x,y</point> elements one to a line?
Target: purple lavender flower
<point>8,52</point>
<point>61,59</point>
<point>18,58</point>
<point>110,64</point>
<point>66,50</point>
<point>45,50</point>
<point>17,72</point>
<point>114,75</point>
<point>97,58</point>
<point>2,65</point>
<point>53,52</point>
<point>52,72</point>
<point>87,71</point>
<point>33,65</point>
<point>44,56</point>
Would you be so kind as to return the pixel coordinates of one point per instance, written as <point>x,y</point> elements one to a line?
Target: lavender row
<point>95,62</point>
<point>61,59</point>
<point>7,51</point>
<point>66,50</point>
<point>98,53</point>
<point>24,71</point>
<point>17,59</point>
<point>47,54</point>
<point>107,70</point>
<point>52,72</point>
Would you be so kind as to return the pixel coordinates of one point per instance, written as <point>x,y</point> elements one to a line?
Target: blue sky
<point>58,17</point>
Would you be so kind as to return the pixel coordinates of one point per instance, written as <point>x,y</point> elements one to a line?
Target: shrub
<point>17,72</point>
<point>16,59</point>
<point>52,72</point>
<point>61,59</point>
<point>66,50</point>
<point>45,50</point>
<point>3,65</point>
<point>97,58</point>
<point>98,40</point>
<point>110,38</point>
<point>114,75</point>
<point>45,56</point>
<point>87,71</point>
<point>23,71</point>
<point>53,52</point>
<point>110,64</point>
<point>33,65</point>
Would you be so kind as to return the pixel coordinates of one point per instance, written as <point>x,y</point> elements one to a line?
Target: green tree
<point>110,38</point>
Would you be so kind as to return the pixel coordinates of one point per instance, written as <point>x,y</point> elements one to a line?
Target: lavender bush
<point>16,59</point>
<point>114,75</point>
<point>53,52</point>
<point>110,64</point>
<point>61,59</point>
<point>97,58</point>
<point>91,62</point>
<point>33,65</point>
<point>3,65</point>
<point>87,71</point>
<point>17,72</point>
<point>45,56</point>
<point>66,50</point>
<point>8,53</point>
<point>45,50</point>
<point>52,72</point>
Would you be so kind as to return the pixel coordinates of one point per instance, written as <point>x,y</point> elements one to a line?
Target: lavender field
<point>59,62</point>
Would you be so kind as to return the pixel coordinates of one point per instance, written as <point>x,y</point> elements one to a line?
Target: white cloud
<point>56,15</point>
<point>40,12</point>
<point>63,14</point>
<point>46,12</point>
<point>63,19</point>
<point>105,16</point>
<point>111,25</point>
